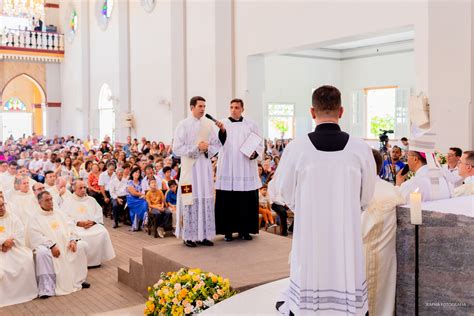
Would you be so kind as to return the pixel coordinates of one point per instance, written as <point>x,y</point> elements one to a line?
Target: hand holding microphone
<point>218,123</point>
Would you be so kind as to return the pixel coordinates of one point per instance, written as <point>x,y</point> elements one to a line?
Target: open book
<point>250,145</point>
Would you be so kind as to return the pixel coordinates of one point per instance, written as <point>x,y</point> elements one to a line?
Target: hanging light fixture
<point>24,8</point>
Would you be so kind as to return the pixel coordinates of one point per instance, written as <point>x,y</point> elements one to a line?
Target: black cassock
<point>236,211</point>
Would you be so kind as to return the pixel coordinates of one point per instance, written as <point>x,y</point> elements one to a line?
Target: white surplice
<point>17,269</point>
<point>235,171</point>
<point>197,221</point>
<point>452,175</point>
<point>58,199</point>
<point>379,228</point>
<point>466,189</point>
<point>85,208</point>
<point>24,205</point>
<point>431,186</point>
<point>69,270</point>
<point>326,191</point>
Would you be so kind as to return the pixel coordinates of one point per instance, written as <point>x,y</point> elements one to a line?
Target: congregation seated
<point>87,215</point>
<point>17,269</point>
<point>423,180</point>
<point>265,208</point>
<point>466,171</point>
<point>60,255</point>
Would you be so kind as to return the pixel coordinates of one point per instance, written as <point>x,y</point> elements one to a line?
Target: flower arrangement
<point>440,158</point>
<point>185,292</point>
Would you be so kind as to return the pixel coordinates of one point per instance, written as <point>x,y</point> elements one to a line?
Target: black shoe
<point>190,243</point>
<point>43,297</point>
<point>284,234</point>
<point>115,225</point>
<point>228,238</point>
<point>85,285</point>
<point>205,242</point>
<point>246,237</point>
<point>94,267</point>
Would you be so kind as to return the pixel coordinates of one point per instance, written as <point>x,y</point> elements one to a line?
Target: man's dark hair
<point>194,100</point>
<point>13,163</point>
<point>41,194</point>
<point>326,99</point>
<point>150,166</point>
<point>457,151</point>
<point>172,182</point>
<point>238,101</point>
<point>404,139</point>
<point>470,157</point>
<point>166,169</point>
<point>378,160</point>
<point>48,172</point>
<point>396,147</point>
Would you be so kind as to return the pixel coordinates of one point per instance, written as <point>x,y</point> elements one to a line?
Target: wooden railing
<point>32,40</point>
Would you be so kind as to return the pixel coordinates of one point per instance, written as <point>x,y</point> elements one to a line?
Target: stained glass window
<point>73,23</point>
<point>14,104</point>
<point>107,8</point>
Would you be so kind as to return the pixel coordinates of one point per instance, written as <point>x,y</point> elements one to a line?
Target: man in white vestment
<point>57,187</point>
<point>432,186</point>
<point>196,143</point>
<point>60,256</point>
<point>87,215</point>
<point>326,177</point>
<point>7,180</point>
<point>451,170</point>
<point>17,269</point>
<point>466,170</point>
<point>379,228</point>
<point>23,202</point>
<point>237,180</point>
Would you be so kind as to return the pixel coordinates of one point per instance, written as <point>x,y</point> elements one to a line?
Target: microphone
<point>209,116</point>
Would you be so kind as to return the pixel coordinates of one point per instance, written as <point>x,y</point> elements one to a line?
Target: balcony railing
<point>32,41</point>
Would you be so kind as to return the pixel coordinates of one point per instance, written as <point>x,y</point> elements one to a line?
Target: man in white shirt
<point>36,167</point>
<point>149,174</point>
<point>450,170</point>
<point>104,181</point>
<point>466,170</point>
<point>118,193</point>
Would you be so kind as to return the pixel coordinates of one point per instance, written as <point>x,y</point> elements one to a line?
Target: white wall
<point>291,80</point>
<point>150,70</point>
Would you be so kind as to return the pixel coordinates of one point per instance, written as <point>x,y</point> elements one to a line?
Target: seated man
<point>23,201</point>
<point>118,193</point>
<point>58,189</point>
<point>61,261</point>
<point>17,269</point>
<point>466,170</point>
<point>158,214</point>
<point>170,198</point>
<point>87,215</point>
<point>423,181</point>
<point>279,207</point>
<point>379,227</point>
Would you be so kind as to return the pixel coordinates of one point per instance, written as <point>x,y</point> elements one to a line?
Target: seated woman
<point>159,218</point>
<point>265,207</point>
<point>136,199</point>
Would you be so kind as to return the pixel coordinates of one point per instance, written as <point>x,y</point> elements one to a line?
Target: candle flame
<point>416,191</point>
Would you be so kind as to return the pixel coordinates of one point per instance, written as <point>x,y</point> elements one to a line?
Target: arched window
<point>106,113</point>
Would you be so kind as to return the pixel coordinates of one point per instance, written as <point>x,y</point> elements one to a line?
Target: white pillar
<point>123,105</point>
<point>450,80</point>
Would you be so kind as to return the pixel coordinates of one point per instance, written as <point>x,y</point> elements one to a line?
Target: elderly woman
<point>136,199</point>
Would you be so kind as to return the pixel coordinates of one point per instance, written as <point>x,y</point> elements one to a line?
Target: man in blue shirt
<point>392,166</point>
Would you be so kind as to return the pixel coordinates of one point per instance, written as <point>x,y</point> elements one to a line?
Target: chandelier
<point>24,8</point>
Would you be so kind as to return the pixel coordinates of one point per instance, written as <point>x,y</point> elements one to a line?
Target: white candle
<point>415,208</point>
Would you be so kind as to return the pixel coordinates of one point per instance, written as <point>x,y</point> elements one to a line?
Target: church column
<point>179,107</point>
<point>85,79</point>
<point>450,82</point>
<point>123,106</point>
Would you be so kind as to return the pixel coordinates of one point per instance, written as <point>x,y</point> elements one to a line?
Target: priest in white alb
<point>237,180</point>
<point>60,255</point>
<point>23,202</point>
<point>87,215</point>
<point>57,188</point>
<point>379,228</point>
<point>196,143</point>
<point>466,170</point>
<point>326,177</point>
<point>17,269</point>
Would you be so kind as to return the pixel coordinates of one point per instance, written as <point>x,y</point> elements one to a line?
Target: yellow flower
<point>2,229</point>
<point>196,278</point>
<point>149,289</point>
<point>220,279</point>
<point>183,293</point>
<point>214,278</point>
<point>162,301</point>
<point>220,292</point>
